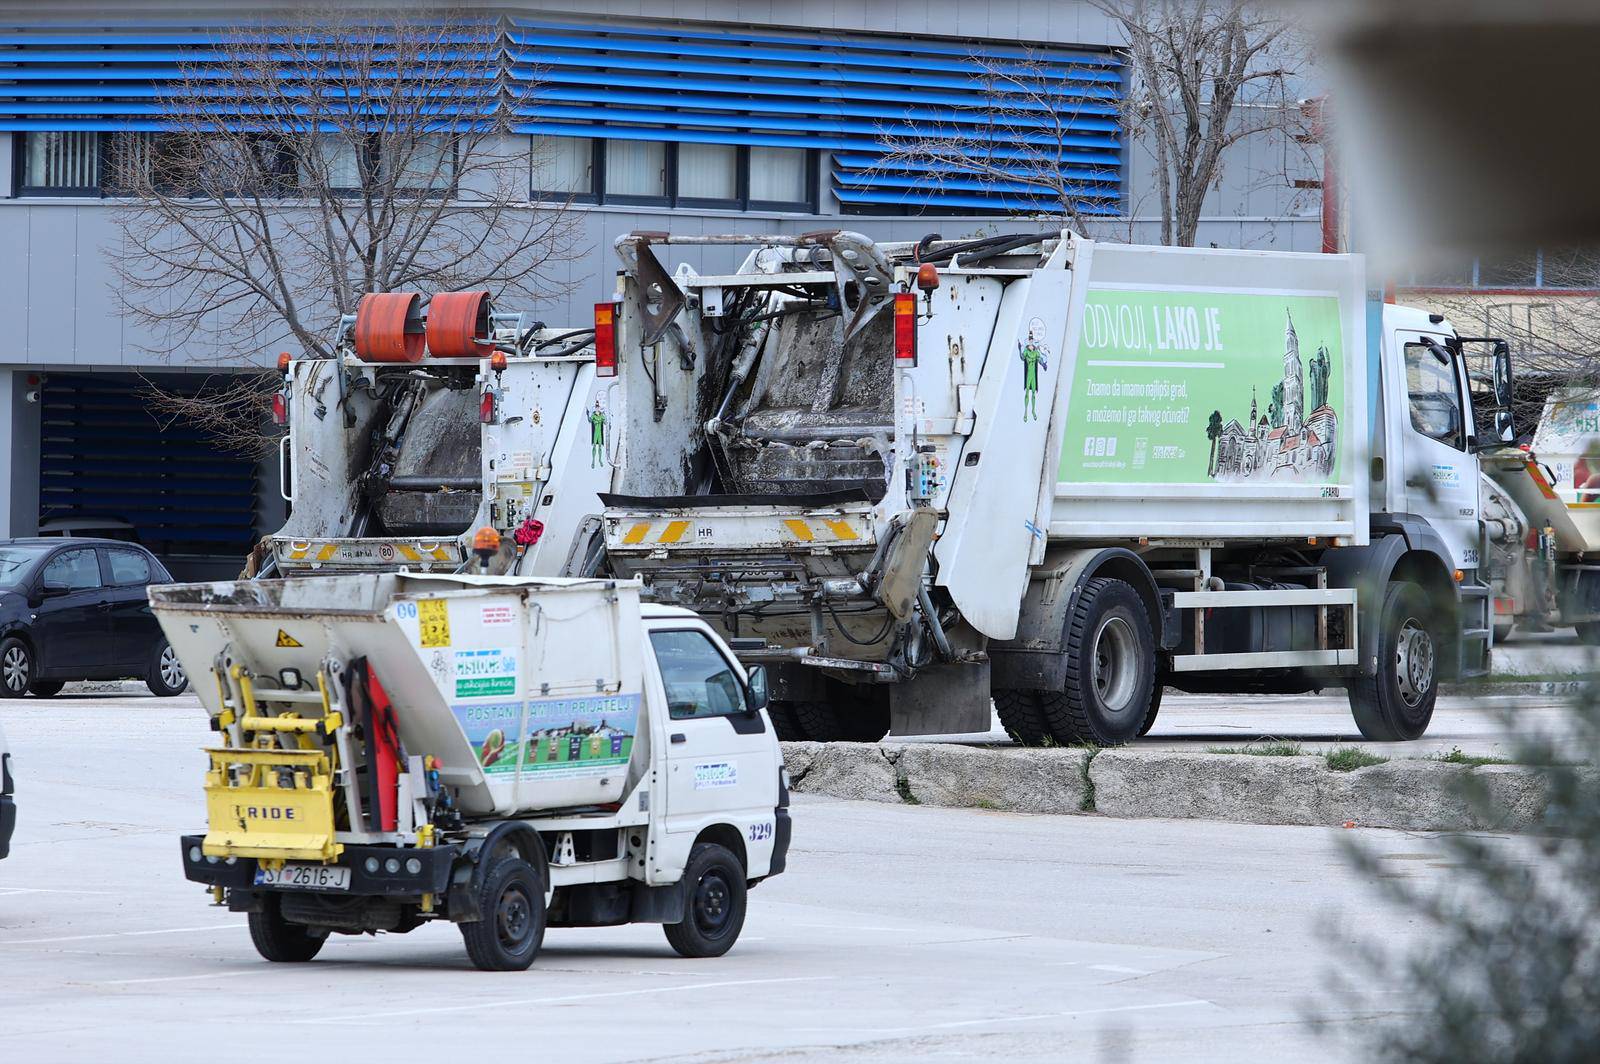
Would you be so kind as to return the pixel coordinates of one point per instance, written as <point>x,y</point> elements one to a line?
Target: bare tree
<point>302,165</point>
<point>1200,76</point>
<point>1025,145</point>
<point>1203,75</point>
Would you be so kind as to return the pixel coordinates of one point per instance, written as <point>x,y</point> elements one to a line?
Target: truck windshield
<point>16,562</point>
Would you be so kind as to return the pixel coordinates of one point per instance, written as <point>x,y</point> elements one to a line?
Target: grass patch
<point>1455,756</point>
<point>903,785</point>
<point>1350,758</point>
<point>1274,749</point>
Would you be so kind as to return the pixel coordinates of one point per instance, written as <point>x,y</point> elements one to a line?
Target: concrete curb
<point>1496,688</point>
<point>1416,795</point>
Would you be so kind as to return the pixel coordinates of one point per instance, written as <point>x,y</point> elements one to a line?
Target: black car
<point>76,609</point>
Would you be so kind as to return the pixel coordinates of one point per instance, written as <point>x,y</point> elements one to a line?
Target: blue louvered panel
<point>651,81</point>
<point>104,455</point>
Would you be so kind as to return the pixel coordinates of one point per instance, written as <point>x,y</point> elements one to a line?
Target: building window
<point>563,167</point>
<point>636,170</point>
<point>429,163</point>
<point>780,177</point>
<point>60,163</point>
<point>708,174</point>
<point>335,161</point>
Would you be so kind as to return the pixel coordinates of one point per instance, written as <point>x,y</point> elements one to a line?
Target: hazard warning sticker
<point>433,622</point>
<point>287,640</point>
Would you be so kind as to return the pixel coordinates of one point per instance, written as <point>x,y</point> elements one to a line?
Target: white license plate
<point>305,877</point>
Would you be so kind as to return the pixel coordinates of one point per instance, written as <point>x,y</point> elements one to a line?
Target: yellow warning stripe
<point>636,533</point>
<point>801,530</point>
<point>841,529</point>
<point>674,532</point>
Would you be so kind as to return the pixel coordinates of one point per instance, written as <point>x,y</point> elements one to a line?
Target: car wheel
<point>16,668</point>
<point>45,688</point>
<point>166,676</point>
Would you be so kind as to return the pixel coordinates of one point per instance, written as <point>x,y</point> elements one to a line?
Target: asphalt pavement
<point>897,932</point>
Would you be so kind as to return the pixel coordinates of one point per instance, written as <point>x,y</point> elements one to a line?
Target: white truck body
<point>1228,430</point>
<point>451,472</point>
<point>607,741</point>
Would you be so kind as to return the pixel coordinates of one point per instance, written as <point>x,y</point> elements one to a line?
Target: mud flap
<point>373,709</point>
<point>943,700</point>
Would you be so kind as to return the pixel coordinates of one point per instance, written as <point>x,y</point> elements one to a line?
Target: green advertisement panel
<point>1193,387</point>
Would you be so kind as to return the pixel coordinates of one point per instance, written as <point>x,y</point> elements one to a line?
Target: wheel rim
<point>1115,664</point>
<point>15,669</point>
<point>713,905</point>
<point>171,669</point>
<point>513,919</point>
<point>1414,662</point>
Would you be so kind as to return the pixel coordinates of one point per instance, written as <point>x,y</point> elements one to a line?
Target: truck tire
<point>850,715</point>
<point>1155,708</point>
<point>715,904</point>
<point>1111,668</point>
<point>785,722</point>
<point>280,941</point>
<point>1397,703</point>
<point>511,899</point>
<point>1021,716</point>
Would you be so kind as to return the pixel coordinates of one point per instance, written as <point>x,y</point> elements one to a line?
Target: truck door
<point>719,755</point>
<point>1434,437</point>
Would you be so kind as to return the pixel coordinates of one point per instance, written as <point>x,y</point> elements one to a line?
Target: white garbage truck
<point>432,422</point>
<point>506,753</point>
<point>1056,473</point>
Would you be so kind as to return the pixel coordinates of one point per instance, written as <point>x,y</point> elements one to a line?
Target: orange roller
<point>389,327</point>
<point>458,324</point>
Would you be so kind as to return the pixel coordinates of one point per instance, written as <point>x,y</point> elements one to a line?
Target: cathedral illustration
<point>1285,441</point>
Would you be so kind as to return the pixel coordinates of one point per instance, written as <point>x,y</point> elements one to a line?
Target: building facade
<point>702,117</point>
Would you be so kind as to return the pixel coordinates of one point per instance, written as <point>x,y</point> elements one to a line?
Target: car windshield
<point>17,561</point>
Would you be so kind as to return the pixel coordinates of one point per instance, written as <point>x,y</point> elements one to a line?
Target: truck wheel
<point>508,936</point>
<point>277,939</point>
<point>785,722</point>
<point>1111,668</point>
<point>714,908</point>
<point>1021,716</point>
<point>848,716</point>
<point>166,676</point>
<point>16,668</point>
<point>1397,703</point>
<point>1155,708</point>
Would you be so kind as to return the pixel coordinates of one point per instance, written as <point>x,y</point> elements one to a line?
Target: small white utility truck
<point>507,753</point>
<point>430,423</point>
<point>1059,473</point>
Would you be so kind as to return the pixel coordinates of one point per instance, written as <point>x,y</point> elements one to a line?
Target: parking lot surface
<point>958,934</point>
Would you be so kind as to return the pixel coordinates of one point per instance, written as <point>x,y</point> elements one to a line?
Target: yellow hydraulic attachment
<point>265,799</point>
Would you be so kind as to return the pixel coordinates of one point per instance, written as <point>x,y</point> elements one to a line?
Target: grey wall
<point>19,457</point>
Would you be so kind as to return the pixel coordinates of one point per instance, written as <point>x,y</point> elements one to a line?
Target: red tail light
<point>280,409</point>
<point>605,339</point>
<point>486,408</point>
<point>905,329</point>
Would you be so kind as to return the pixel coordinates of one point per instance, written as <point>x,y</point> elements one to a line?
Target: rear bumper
<point>433,877</point>
<point>8,822</point>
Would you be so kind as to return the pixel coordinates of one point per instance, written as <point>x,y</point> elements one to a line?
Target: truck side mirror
<point>755,689</point>
<point>1504,424</point>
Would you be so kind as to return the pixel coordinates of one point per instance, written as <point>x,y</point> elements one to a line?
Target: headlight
<point>391,866</point>
<point>413,866</point>
<point>372,866</point>
<point>194,854</point>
